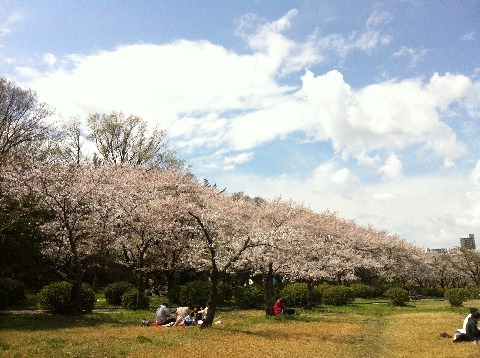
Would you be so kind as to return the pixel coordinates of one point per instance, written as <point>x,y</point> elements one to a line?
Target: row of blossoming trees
<point>132,205</point>
<point>149,218</point>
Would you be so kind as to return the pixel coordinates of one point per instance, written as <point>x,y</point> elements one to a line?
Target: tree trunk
<point>77,308</point>
<point>310,302</point>
<point>212,299</point>
<point>268,290</point>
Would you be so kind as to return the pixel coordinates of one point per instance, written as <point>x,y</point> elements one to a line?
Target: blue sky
<point>371,109</point>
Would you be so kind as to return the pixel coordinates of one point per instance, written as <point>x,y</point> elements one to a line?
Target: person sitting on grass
<point>182,312</point>
<point>162,314</point>
<point>196,314</point>
<point>463,330</point>
<point>472,331</point>
<point>280,308</point>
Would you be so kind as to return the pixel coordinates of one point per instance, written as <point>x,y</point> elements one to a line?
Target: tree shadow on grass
<point>285,335</point>
<point>36,320</point>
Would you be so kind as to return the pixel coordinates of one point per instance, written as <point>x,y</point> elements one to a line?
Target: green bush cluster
<point>456,296</point>
<point>225,292</point>
<point>338,295</point>
<point>57,297</point>
<point>432,291</point>
<point>473,293</point>
<point>12,292</point>
<point>322,287</point>
<point>88,298</point>
<point>173,293</point>
<point>366,291</point>
<point>134,300</point>
<point>249,296</point>
<point>115,291</point>
<point>296,294</point>
<point>195,293</point>
<point>397,296</point>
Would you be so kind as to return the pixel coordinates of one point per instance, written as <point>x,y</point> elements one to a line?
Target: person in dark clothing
<point>472,331</point>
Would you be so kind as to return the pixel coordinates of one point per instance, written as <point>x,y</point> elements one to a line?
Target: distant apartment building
<point>468,242</point>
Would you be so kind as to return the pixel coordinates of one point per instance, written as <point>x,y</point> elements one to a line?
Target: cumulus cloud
<point>215,102</point>
<point>392,167</point>
<point>389,115</point>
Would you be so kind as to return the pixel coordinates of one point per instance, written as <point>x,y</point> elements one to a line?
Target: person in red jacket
<point>279,306</point>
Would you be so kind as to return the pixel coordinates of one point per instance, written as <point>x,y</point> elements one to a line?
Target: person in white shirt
<point>463,330</point>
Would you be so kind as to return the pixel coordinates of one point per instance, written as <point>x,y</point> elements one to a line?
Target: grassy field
<point>359,330</point>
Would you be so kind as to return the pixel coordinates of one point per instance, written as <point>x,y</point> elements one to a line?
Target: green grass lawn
<point>362,329</point>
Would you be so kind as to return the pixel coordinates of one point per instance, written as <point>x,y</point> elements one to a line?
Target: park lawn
<point>359,330</point>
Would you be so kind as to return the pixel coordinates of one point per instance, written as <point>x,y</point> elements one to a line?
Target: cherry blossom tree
<point>222,236</point>
<point>468,263</point>
<point>71,194</point>
<point>149,205</point>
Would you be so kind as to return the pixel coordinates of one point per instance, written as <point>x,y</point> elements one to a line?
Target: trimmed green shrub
<point>295,294</point>
<point>56,297</point>
<point>322,287</point>
<point>115,291</point>
<point>456,296</point>
<point>195,293</point>
<point>397,296</point>
<point>13,292</point>
<point>88,298</point>
<point>432,291</point>
<point>134,300</point>
<point>338,296</point>
<point>249,296</point>
<point>173,293</point>
<point>473,293</point>
<point>225,292</point>
<point>365,291</point>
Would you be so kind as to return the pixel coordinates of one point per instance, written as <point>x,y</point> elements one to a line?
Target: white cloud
<point>469,36</point>
<point>239,158</point>
<point>379,18</point>
<point>416,56</point>
<point>367,40</point>
<point>211,97</point>
<point>392,168</point>
<point>471,209</point>
<point>50,59</point>
<point>8,22</point>
<point>389,115</point>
